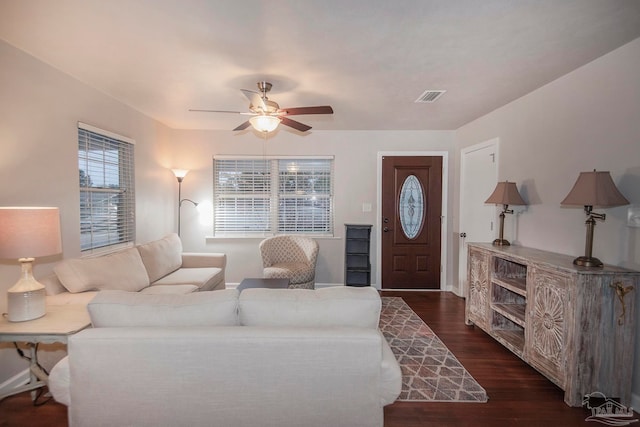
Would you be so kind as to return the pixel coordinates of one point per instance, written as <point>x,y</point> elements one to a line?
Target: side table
<point>56,326</point>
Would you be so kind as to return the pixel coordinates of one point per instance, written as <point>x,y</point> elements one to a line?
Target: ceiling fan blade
<point>215,111</point>
<point>323,109</point>
<point>294,124</point>
<point>243,126</point>
<point>255,98</point>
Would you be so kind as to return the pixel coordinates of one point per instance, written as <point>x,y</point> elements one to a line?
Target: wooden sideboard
<point>575,325</point>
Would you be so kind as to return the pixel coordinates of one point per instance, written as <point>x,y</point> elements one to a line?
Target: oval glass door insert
<point>411,207</point>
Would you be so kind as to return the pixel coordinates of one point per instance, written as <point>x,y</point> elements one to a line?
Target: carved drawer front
<point>478,301</point>
<point>547,324</point>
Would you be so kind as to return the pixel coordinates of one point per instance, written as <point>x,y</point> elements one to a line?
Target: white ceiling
<point>368,59</point>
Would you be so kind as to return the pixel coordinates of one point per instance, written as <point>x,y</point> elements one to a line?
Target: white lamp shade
<point>180,173</point>
<point>264,123</point>
<point>29,232</point>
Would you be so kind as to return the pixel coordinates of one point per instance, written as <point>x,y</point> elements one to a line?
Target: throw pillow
<point>122,270</point>
<point>162,256</point>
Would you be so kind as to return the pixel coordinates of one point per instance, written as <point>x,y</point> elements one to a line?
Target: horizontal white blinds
<point>107,194</point>
<point>305,194</point>
<point>242,196</point>
<point>271,195</point>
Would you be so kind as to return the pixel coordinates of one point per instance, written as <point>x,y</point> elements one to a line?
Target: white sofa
<point>156,267</point>
<point>258,358</point>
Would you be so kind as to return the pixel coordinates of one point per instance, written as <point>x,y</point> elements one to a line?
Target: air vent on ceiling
<point>429,96</point>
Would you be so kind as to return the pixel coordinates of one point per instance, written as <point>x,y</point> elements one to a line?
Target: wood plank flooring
<point>518,395</point>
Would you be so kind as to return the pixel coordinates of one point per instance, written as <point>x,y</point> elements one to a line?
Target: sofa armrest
<point>390,375</point>
<point>203,260</point>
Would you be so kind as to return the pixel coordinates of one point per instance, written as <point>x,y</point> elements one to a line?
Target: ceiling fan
<point>267,114</point>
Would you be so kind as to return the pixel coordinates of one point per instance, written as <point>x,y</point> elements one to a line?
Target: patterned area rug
<point>430,372</point>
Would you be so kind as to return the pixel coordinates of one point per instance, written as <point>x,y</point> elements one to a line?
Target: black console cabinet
<point>357,265</point>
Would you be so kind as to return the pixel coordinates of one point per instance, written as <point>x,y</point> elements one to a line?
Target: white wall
<point>39,111</point>
<point>588,119</point>
<point>355,183</point>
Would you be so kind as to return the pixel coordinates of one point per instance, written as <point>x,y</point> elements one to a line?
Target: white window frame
<point>269,225</point>
<point>112,226</point>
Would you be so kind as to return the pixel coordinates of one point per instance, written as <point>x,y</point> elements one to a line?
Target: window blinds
<point>273,195</point>
<point>107,195</point>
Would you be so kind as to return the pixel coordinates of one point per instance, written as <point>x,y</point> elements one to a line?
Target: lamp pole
<point>180,174</point>
<point>180,178</point>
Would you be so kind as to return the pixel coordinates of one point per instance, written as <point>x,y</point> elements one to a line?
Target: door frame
<point>444,261</point>
<point>461,288</point>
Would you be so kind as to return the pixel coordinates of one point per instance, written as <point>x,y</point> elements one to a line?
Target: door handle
<point>386,220</point>
<point>463,235</point>
<point>386,229</point>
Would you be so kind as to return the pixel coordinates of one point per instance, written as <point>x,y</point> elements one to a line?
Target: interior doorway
<point>478,177</point>
<point>411,208</point>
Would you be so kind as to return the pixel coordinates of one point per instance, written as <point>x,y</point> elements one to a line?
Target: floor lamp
<point>180,174</point>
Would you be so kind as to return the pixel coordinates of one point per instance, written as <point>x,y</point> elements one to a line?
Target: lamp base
<point>24,306</point>
<point>501,242</point>
<point>26,300</point>
<point>587,261</point>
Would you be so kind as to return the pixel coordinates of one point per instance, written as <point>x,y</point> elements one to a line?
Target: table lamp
<point>28,232</point>
<point>593,189</point>
<point>505,194</point>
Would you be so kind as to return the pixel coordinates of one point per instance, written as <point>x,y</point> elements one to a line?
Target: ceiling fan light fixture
<point>264,123</point>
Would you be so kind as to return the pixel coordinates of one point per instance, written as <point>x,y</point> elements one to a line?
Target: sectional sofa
<point>156,267</point>
<point>259,357</point>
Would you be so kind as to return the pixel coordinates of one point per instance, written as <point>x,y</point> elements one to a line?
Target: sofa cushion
<point>123,309</point>
<point>67,298</point>
<point>169,289</point>
<point>333,306</point>
<point>162,256</point>
<point>206,279</point>
<point>296,272</point>
<point>122,270</point>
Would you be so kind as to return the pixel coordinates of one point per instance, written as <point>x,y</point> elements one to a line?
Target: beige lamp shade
<point>595,189</point>
<point>29,232</point>
<point>506,193</point>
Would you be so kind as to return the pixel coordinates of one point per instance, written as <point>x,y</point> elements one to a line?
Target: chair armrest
<point>200,260</point>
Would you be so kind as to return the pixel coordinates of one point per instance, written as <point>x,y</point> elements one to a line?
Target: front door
<point>411,222</point>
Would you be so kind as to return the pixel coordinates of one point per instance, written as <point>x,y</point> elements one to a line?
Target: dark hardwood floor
<point>518,395</point>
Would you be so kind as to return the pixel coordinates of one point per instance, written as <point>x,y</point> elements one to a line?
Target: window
<point>263,196</point>
<point>107,196</point>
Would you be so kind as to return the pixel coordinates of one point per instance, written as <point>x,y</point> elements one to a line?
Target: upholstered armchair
<point>290,257</point>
